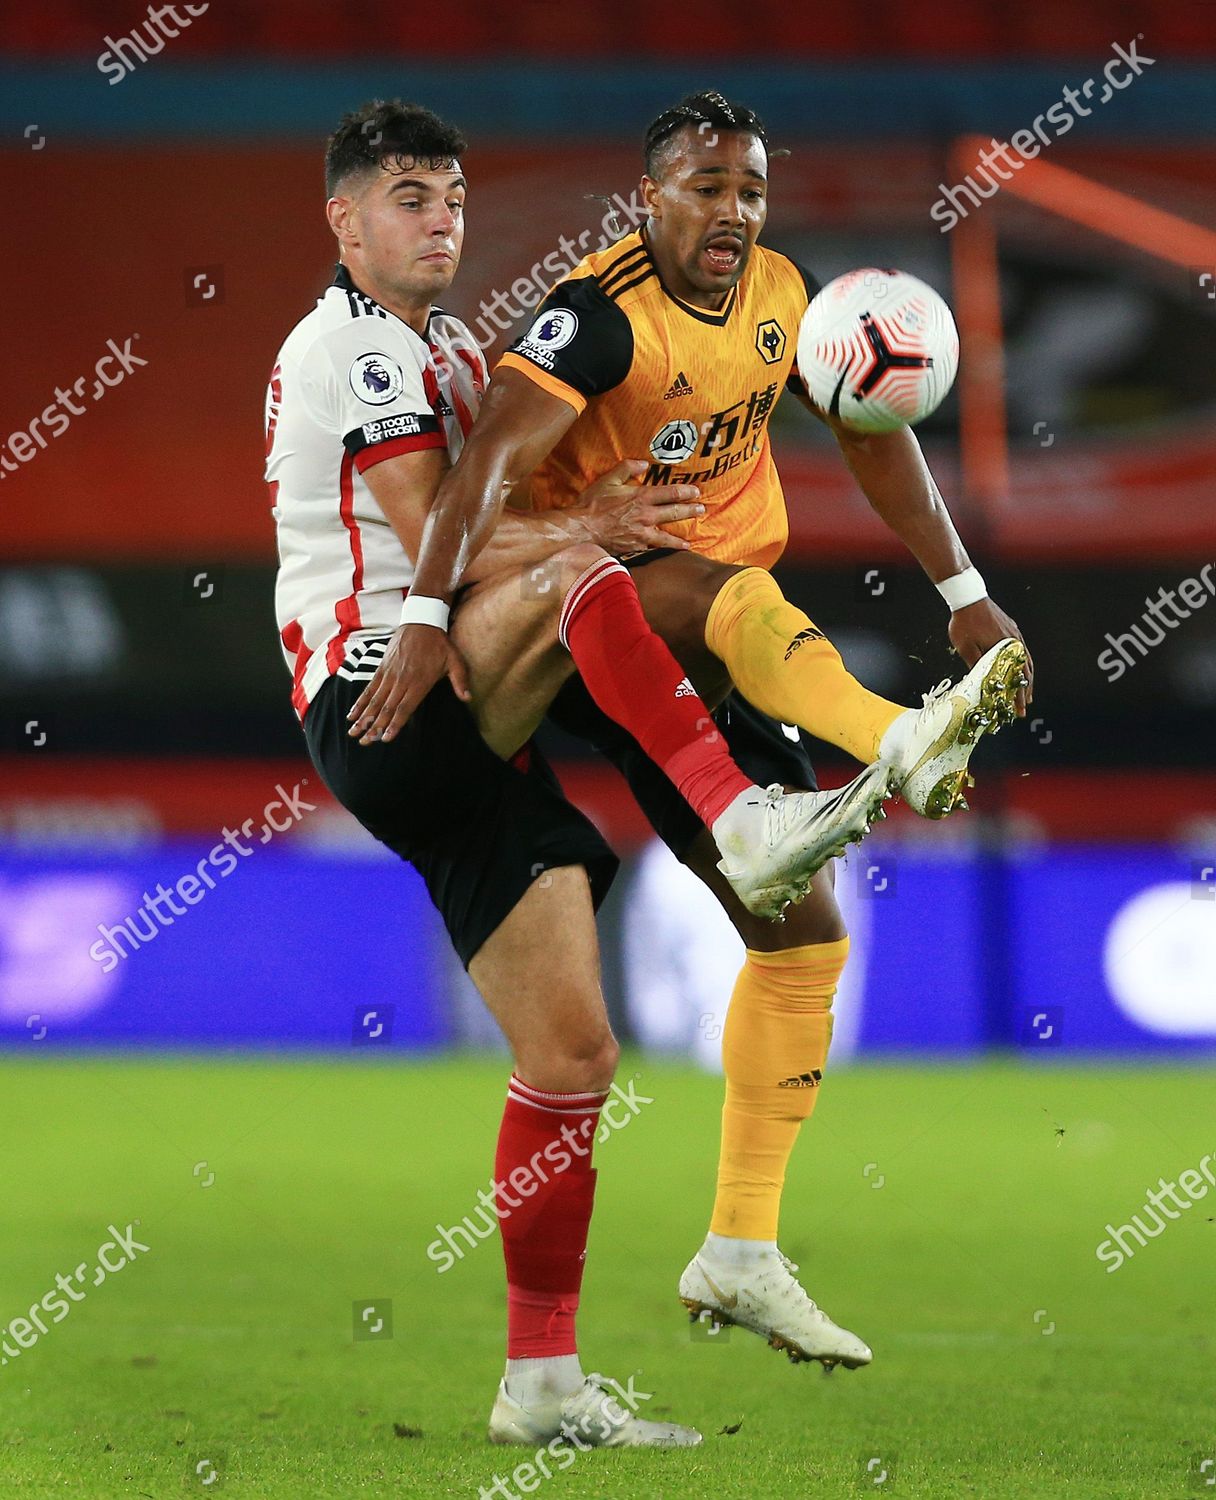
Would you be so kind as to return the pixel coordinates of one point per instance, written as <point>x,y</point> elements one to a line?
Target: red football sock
<point>636,680</point>
<point>544,1215</point>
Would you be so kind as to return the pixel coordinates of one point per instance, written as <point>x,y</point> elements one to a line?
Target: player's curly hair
<point>389,133</point>
<point>708,110</point>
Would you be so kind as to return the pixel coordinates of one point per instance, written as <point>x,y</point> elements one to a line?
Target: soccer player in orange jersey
<point>672,348</point>
<point>370,398</point>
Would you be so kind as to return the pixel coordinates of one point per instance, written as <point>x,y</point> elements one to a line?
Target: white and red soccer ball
<point>878,349</point>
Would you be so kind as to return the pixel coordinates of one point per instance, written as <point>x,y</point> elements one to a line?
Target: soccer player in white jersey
<point>677,341</point>
<point>370,398</point>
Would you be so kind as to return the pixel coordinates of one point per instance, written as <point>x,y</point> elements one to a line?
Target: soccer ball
<point>878,349</point>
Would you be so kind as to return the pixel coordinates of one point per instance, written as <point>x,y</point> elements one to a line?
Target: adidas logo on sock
<point>679,387</point>
<point>686,689</point>
<point>801,639</point>
<point>802,1080</point>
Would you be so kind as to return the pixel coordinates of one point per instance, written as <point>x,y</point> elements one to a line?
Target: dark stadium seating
<point>884,28</point>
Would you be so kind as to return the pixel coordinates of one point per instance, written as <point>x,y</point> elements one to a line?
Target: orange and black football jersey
<point>688,390</point>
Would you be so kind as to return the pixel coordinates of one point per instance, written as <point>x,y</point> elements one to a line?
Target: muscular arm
<point>452,521</point>
<point>517,427</point>
<point>894,477</point>
<point>405,488</point>
<point>892,473</point>
<point>413,488</point>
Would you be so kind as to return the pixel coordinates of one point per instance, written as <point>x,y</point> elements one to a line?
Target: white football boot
<point>592,1418</point>
<point>766,1299</point>
<point>928,749</point>
<point>773,842</point>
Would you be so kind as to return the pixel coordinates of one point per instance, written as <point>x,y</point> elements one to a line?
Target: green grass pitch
<point>937,1211</point>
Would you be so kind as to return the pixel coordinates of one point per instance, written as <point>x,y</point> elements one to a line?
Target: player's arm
<point>405,486</point>
<point>579,345</point>
<point>515,429</point>
<point>467,536</point>
<point>614,512</point>
<point>892,473</point>
<point>472,533</point>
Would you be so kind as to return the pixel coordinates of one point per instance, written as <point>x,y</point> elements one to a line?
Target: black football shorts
<point>479,830</point>
<point>763,749</point>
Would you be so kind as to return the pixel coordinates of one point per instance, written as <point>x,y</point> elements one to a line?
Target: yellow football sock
<point>788,668</point>
<point>774,1048</point>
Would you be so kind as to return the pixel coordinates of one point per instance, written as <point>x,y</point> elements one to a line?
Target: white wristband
<point>967,587</point>
<point>419,610</point>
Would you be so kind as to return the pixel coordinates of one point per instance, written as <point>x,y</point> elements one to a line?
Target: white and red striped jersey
<point>353,385</point>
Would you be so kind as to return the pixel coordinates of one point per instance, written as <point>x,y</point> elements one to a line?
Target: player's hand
<point>416,658</point>
<point>980,625</point>
<point>623,517</point>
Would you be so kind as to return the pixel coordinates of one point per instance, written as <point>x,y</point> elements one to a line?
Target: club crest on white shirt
<point>376,379</point>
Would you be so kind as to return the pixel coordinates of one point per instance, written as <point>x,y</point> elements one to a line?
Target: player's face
<point>409,223</point>
<point>709,206</point>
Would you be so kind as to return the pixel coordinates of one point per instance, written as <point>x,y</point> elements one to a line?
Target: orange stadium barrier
<point>221,250</point>
<point>1128,220</point>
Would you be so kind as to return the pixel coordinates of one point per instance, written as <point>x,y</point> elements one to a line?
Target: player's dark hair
<point>389,133</point>
<point>704,111</point>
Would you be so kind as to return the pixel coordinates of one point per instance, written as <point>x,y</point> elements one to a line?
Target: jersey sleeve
<point>370,379</point>
<point>812,283</point>
<point>580,343</point>
<point>813,287</point>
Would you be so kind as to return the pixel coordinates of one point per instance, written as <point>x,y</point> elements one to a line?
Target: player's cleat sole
<point>949,795</point>
<point>928,750</point>
<point>796,834</point>
<point>768,1301</point>
<point>590,1418</point>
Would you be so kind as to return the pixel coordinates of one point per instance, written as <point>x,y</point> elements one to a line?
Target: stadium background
<point>144,698</point>
<point>281,1087</point>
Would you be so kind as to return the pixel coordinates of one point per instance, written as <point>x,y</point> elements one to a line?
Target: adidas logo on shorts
<point>686,689</point>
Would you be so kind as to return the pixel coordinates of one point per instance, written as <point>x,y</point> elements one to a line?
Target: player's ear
<point>650,196</point>
<point>341,212</point>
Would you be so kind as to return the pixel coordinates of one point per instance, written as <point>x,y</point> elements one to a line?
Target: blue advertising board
<point>284,949</point>
<point>1115,950</point>
<point>1068,949</point>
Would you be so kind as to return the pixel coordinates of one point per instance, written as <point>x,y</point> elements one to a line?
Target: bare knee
<point>566,567</point>
<point>575,1059</point>
<point>712,578</point>
<point>577,558</point>
<point>551,583</point>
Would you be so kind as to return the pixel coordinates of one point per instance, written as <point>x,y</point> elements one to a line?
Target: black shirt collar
<point>344,280</point>
<point>702,314</point>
